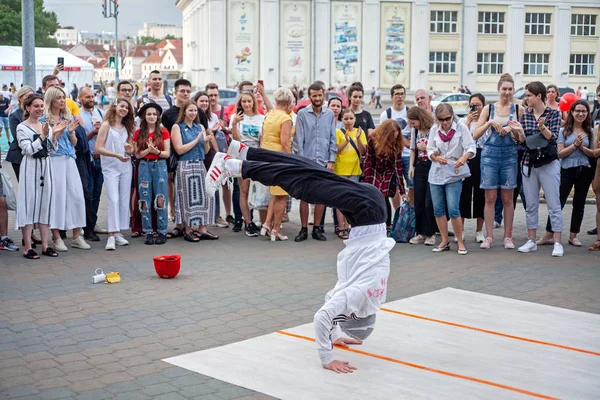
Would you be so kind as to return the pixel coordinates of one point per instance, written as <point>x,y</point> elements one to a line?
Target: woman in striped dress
<point>35,184</point>
<point>193,207</point>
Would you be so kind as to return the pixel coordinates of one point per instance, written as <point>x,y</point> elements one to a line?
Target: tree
<point>143,40</point>
<point>45,22</point>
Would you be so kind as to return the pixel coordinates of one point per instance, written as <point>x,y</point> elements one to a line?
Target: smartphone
<point>472,107</point>
<point>95,119</point>
<point>261,82</point>
<point>61,60</point>
<point>239,110</point>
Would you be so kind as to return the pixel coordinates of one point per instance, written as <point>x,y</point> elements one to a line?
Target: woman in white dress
<point>68,202</point>
<point>35,183</point>
<point>114,144</point>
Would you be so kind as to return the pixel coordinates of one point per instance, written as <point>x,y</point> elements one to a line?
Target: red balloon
<point>566,101</point>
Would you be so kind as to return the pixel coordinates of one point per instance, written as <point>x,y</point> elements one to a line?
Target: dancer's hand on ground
<point>344,342</point>
<point>340,367</point>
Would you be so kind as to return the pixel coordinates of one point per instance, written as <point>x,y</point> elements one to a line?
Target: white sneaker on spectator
<point>430,241</point>
<point>558,250</point>
<point>110,243</point>
<point>497,224</point>
<point>237,150</point>
<point>80,243</point>
<point>59,245</point>
<point>528,247</point>
<point>479,238</point>
<point>97,229</point>
<point>417,239</point>
<point>120,240</point>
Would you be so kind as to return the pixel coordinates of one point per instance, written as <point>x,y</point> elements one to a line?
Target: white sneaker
<point>235,150</point>
<point>97,229</point>
<point>430,241</point>
<point>80,243</point>
<point>479,238</point>
<point>558,251</point>
<point>417,239</point>
<point>497,225</point>
<point>59,245</point>
<point>110,243</point>
<point>216,174</point>
<point>120,240</point>
<point>455,240</point>
<point>528,247</point>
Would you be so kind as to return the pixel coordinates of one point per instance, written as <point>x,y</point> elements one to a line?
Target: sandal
<point>595,246</point>
<point>136,234</point>
<point>50,252</point>
<point>175,233</point>
<point>346,234</point>
<point>339,232</point>
<point>32,255</point>
<point>189,237</point>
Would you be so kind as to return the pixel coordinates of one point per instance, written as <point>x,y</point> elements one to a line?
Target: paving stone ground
<point>61,337</point>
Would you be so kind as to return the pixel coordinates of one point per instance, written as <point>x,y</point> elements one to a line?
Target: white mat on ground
<point>454,344</point>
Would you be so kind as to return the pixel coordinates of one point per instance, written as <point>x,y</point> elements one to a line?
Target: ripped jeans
<point>152,188</point>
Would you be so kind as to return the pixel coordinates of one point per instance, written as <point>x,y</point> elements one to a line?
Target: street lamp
<point>110,9</point>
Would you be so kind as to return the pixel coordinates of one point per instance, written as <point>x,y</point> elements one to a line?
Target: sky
<point>87,14</point>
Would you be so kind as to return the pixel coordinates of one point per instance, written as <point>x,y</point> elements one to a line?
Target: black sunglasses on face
<point>445,119</point>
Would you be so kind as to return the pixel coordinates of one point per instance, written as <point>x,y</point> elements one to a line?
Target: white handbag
<point>9,191</point>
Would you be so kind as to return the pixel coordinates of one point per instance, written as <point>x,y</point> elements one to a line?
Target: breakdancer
<point>363,266</point>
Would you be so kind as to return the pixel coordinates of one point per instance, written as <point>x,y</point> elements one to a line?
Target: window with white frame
<point>583,25</point>
<point>442,62</point>
<point>443,21</point>
<point>538,23</point>
<point>582,64</point>
<point>490,22</point>
<point>490,63</point>
<point>536,64</point>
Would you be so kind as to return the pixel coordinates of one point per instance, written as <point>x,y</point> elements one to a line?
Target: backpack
<point>403,226</point>
<point>388,112</point>
<point>146,100</point>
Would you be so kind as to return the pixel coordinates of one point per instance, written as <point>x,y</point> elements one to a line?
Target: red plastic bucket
<point>168,266</point>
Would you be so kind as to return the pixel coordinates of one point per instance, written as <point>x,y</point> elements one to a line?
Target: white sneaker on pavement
<point>430,241</point>
<point>558,250</point>
<point>417,239</point>
<point>528,247</point>
<point>59,245</point>
<point>110,243</point>
<point>120,240</point>
<point>80,243</point>
<point>479,238</point>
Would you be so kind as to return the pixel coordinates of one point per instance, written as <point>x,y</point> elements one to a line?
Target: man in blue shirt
<point>4,110</point>
<point>315,139</point>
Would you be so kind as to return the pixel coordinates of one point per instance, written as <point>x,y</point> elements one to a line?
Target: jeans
<point>235,199</point>
<point>548,178</point>
<point>424,219</point>
<point>405,168</point>
<point>499,167</point>
<point>95,180</point>
<point>153,180</point>
<point>446,195</point>
<point>581,179</point>
<point>83,166</point>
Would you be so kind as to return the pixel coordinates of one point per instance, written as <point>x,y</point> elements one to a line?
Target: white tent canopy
<point>77,71</point>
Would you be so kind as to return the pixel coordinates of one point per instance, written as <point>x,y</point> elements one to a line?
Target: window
<point>490,63</point>
<point>583,25</point>
<point>536,64</point>
<point>582,64</point>
<point>442,62</point>
<point>491,22</point>
<point>537,23</point>
<point>443,21</point>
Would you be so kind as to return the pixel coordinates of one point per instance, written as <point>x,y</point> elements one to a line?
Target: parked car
<point>520,93</point>
<point>458,101</point>
<point>226,96</point>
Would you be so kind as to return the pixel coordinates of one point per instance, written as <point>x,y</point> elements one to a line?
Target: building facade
<point>67,35</point>
<point>443,43</point>
<point>106,39</point>
<point>159,31</point>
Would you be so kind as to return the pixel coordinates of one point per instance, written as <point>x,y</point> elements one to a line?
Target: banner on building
<point>295,43</point>
<point>346,31</point>
<point>395,44</point>
<point>242,41</point>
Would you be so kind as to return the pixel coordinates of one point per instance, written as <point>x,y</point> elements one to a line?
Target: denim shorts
<point>446,195</point>
<point>498,167</point>
<point>405,168</point>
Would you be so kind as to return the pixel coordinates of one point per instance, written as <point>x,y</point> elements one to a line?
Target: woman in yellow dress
<point>276,136</point>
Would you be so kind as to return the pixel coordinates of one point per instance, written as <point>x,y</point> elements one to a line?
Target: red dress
<point>385,173</point>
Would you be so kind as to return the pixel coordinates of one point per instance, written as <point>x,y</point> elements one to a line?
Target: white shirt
<point>406,131</point>
<point>250,129</point>
<point>214,118</point>
<point>481,141</point>
<point>584,94</point>
<point>363,268</point>
<point>461,143</point>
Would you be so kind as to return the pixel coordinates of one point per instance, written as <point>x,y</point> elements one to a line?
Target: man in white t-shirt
<point>397,112</point>
<point>584,93</point>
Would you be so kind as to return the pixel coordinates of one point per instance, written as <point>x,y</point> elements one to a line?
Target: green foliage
<point>10,21</point>
<point>143,40</point>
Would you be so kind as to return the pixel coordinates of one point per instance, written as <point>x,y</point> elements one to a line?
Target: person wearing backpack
<point>538,130</point>
<point>351,145</point>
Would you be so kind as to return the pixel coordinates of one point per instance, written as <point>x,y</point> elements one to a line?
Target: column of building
<point>269,44</point>
<point>561,46</point>
<point>515,48</point>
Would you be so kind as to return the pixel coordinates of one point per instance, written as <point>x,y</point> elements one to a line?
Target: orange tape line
<point>472,328</point>
<point>424,368</point>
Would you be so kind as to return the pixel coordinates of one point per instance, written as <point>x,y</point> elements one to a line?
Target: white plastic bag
<point>259,196</point>
<point>9,191</point>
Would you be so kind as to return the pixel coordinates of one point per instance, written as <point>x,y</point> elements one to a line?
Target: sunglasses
<point>445,119</point>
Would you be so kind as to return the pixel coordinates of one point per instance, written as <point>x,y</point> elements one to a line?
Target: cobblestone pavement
<point>63,338</point>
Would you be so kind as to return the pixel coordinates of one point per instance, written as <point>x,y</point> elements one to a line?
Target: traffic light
<point>104,8</point>
<point>112,63</point>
